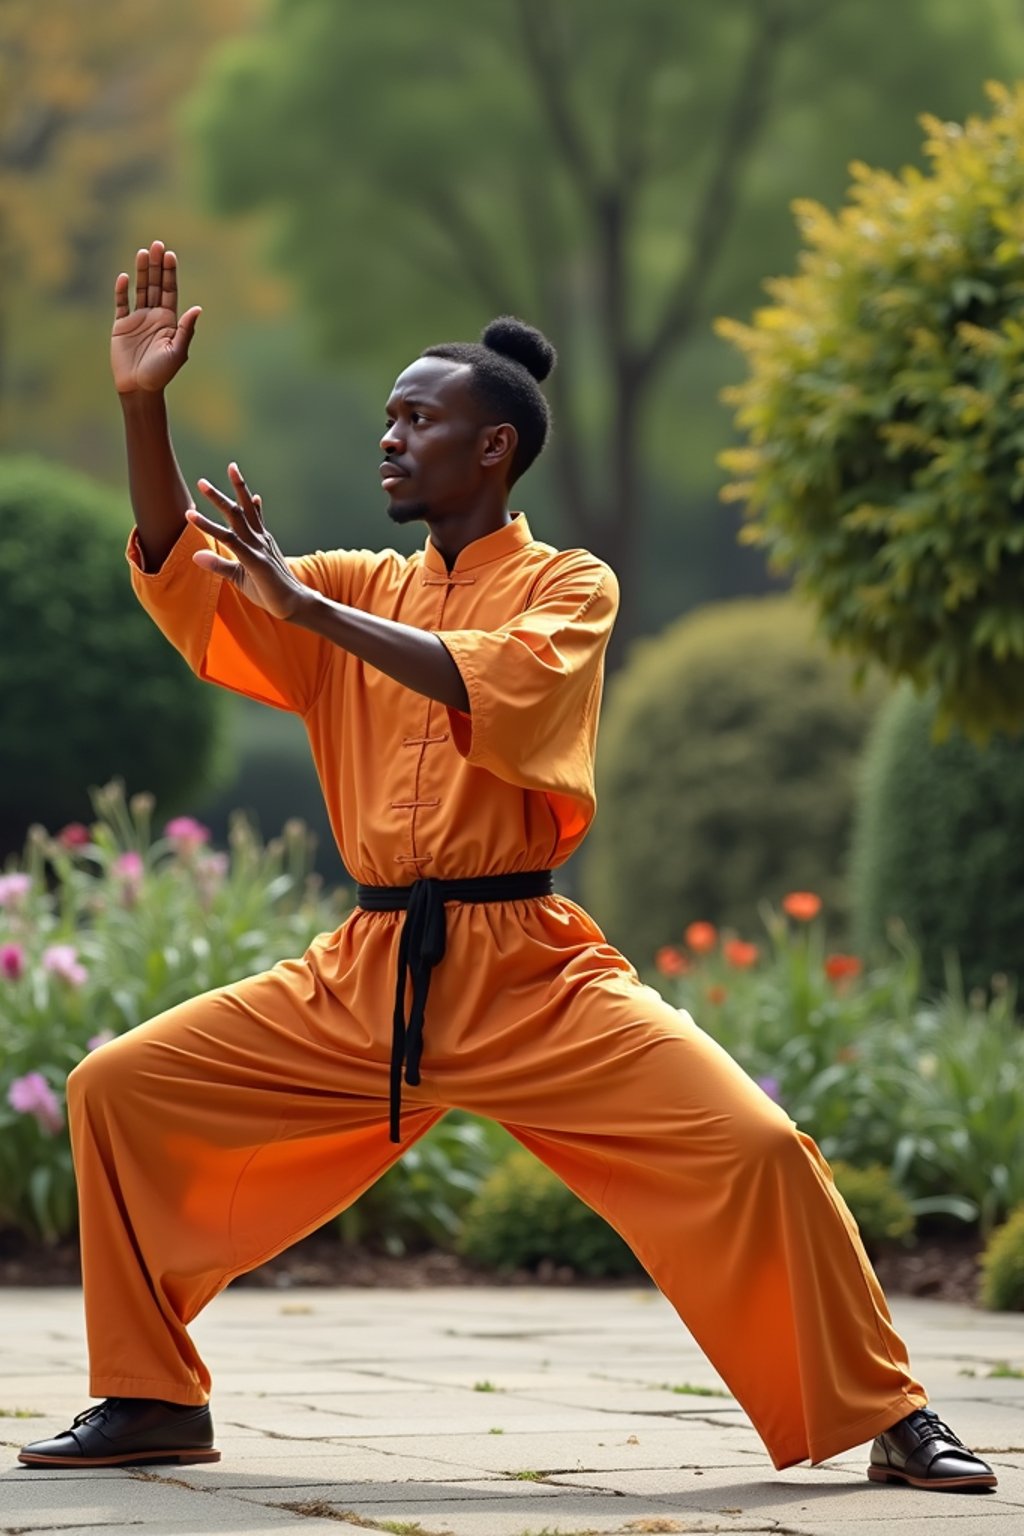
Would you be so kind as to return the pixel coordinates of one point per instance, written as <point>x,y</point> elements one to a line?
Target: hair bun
<point>522,343</point>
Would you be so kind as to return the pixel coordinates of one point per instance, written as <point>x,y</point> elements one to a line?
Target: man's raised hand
<point>259,570</point>
<point>149,344</point>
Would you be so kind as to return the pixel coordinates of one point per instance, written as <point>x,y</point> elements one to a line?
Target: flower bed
<point>931,1088</point>
<point>105,926</point>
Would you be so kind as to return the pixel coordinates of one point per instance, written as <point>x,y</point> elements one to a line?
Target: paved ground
<point>487,1413</point>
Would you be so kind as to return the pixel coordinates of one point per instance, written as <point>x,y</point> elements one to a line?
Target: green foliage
<point>97,938</point>
<point>882,411</point>
<point>939,843</point>
<point>420,1201</point>
<point>524,1215</point>
<point>1002,1266</point>
<point>90,687</point>
<point>882,1212</point>
<point>725,773</point>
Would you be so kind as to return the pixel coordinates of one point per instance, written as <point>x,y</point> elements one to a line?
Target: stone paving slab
<point>341,1412</point>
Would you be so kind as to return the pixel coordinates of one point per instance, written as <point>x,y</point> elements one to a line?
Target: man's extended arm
<point>414,657</point>
<point>147,347</point>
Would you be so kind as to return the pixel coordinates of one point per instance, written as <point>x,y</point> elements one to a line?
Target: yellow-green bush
<point>882,1212</point>
<point>882,410</point>
<point>1002,1266</point>
<point>725,767</point>
<point>523,1215</point>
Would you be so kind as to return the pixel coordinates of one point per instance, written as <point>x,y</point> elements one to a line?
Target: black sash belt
<point>421,947</point>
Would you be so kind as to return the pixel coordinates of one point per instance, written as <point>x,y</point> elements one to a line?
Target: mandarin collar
<point>503,541</point>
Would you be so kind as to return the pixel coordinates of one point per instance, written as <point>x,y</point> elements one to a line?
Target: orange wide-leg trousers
<point>227,1128</point>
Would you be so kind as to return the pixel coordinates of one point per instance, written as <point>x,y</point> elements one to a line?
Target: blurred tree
<point>614,176</point>
<point>87,101</point>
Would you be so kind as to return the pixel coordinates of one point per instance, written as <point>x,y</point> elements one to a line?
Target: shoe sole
<point>892,1475</point>
<point>133,1458</point>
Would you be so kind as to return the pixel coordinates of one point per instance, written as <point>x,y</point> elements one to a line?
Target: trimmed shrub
<point>725,774</point>
<point>939,843</point>
<point>90,688</point>
<point>882,1212</point>
<point>524,1215</point>
<point>882,411</point>
<point>1002,1266</point>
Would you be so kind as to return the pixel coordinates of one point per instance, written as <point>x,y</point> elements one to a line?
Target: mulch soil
<point>943,1267</point>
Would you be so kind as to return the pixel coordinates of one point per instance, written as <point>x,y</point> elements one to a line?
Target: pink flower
<point>32,1095</point>
<point>95,1041</point>
<point>129,865</point>
<point>62,960</point>
<point>12,961</point>
<point>186,833</point>
<point>75,835</point>
<point>13,888</point>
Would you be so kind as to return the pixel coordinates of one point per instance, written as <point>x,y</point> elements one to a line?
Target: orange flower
<point>842,967</point>
<point>716,995</point>
<point>741,954</point>
<point>847,1053</point>
<point>671,961</point>
<point>803,905</point>
<point>701,937</point>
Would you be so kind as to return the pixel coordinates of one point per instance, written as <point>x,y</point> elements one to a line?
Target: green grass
<point>485,1386</point>
<point>1003,1368</point>
<point>495,1431</point>
<point>21,1413</point>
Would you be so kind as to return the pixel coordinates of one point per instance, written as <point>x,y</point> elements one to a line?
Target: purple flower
<point>32,1095</point>
<point>62,960</point>
<point>95,1041</point>
<point>13,888</point>
<point>772,1087</point>
<point>186,833</point>
<point>12,961</point>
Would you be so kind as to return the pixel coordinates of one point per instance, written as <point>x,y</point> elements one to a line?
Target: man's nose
<point>391,442</point>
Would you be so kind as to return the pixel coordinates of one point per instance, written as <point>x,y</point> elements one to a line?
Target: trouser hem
<point>825,1447</point>
<point>148,1386</point>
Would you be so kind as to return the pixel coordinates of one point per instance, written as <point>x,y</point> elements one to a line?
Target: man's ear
<point>499,445</point>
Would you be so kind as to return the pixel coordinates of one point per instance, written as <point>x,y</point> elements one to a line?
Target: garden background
<point>816,849</point>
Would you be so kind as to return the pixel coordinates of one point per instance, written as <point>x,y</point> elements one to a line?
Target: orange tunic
<point>227,1128</point>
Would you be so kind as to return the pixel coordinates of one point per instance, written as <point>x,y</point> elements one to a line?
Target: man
<point>451,702</point>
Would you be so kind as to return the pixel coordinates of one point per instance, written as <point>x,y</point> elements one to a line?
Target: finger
<point>169,282</point>
<point>257,502</point>
<point>121,285</point>
<point>245,500</point>
<point>207,525</point>
<point>231,510</point>
<point>156,263</point>
<point>186,330</point>
<point>141,277</point>
<point>208,561</point>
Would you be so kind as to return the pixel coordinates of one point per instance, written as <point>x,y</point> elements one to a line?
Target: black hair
<point>508,363</point>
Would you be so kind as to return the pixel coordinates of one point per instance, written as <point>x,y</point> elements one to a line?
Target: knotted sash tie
<point>421,947</point>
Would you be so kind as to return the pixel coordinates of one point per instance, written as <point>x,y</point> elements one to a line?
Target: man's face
<point>432,442</point>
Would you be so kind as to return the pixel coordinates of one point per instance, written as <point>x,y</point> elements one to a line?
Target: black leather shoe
<point>924,1453</point>
<point>123,1430</point>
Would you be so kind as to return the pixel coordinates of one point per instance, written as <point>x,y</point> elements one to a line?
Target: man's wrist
<point>143,403</point>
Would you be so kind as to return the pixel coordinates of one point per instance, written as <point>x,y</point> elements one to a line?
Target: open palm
<point>149,344</point>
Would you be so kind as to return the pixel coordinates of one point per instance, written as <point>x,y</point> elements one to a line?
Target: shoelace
<point>929,1426</point>
<point>97,1411</point>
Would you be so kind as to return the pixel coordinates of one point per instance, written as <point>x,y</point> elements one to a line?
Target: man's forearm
<point>413,657</point>
<point>159,494</point>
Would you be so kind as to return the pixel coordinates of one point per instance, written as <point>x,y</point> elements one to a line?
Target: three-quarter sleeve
<point>534,687</point>
<point>229,640</point>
